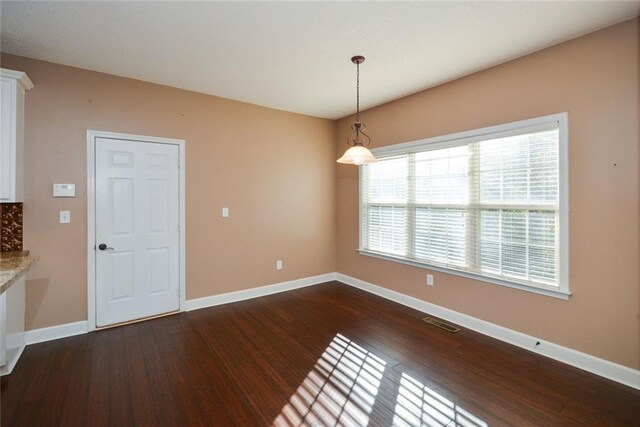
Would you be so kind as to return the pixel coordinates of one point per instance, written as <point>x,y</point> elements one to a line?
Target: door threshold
<point>141,319</point>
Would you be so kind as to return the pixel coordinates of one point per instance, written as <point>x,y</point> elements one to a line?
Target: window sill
<point>550,292</point>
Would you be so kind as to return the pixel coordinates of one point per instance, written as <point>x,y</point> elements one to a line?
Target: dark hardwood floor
<point>323,355</point>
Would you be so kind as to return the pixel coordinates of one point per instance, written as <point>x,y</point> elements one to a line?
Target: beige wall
<point>594,78</point>
<point>274,170</point>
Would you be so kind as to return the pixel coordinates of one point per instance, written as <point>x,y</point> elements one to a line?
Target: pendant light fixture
<point>358,153</point>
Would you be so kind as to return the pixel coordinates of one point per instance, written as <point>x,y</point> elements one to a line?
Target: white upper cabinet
<point>14,85</point>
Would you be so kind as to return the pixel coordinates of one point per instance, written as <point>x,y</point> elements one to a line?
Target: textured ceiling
<point>294,56</point>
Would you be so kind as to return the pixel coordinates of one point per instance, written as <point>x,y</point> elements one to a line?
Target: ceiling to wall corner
<point>295,56</point>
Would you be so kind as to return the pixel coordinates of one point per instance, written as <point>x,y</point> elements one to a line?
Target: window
<point>488,204</point>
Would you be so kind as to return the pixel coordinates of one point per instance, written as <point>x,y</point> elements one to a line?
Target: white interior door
<point>137,230</point>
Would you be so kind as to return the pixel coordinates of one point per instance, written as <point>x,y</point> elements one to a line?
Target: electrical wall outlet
<point>65,217</point>
<point>430,279</point>
<point>225,212</point>
<point>279,264</point>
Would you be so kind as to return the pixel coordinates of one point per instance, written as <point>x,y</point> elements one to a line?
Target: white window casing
<point>490,204</point>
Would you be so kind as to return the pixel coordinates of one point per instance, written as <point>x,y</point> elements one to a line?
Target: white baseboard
<point>604,368</point>
<point>15,346</point>
<point>13,354</point>
<point>195,304</point>
<point>35,336</point>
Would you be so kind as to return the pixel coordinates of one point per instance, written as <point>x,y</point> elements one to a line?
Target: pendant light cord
<point>357,153</point>
<point>358,137</point>
<point>357,91</point>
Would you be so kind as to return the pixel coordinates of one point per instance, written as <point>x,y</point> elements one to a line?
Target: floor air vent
<point>441,324</point>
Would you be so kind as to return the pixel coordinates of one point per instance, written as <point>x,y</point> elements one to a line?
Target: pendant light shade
<point>358,153</point>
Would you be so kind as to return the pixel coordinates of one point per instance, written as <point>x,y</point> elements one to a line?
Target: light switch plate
<point>65,217</point>
<point>225,212</point>
<point>64,190</point>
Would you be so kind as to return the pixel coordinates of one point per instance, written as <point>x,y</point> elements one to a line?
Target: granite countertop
<point>13,265</point>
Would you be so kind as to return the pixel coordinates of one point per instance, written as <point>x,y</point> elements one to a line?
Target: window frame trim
<point>466,137</point>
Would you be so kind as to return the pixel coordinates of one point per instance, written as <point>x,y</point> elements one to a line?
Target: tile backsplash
<point>11,227</point>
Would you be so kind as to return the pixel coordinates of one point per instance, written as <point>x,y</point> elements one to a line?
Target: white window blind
<point>488,205</point>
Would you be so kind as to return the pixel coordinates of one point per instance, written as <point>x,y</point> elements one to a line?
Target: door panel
<point>159,271</point>
<point>7,161</point>
<point>158,192</point>
<point>122,280</point>
<point>121,201</point>
<point>137,217</point>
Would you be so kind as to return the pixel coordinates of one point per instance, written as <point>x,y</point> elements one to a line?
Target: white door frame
<point>91,214</point>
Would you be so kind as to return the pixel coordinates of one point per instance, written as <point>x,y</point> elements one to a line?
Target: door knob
<point>103,247</point>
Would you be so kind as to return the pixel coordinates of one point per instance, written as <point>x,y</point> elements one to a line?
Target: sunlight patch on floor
<point>418,405</point>
<point>339,391</point>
